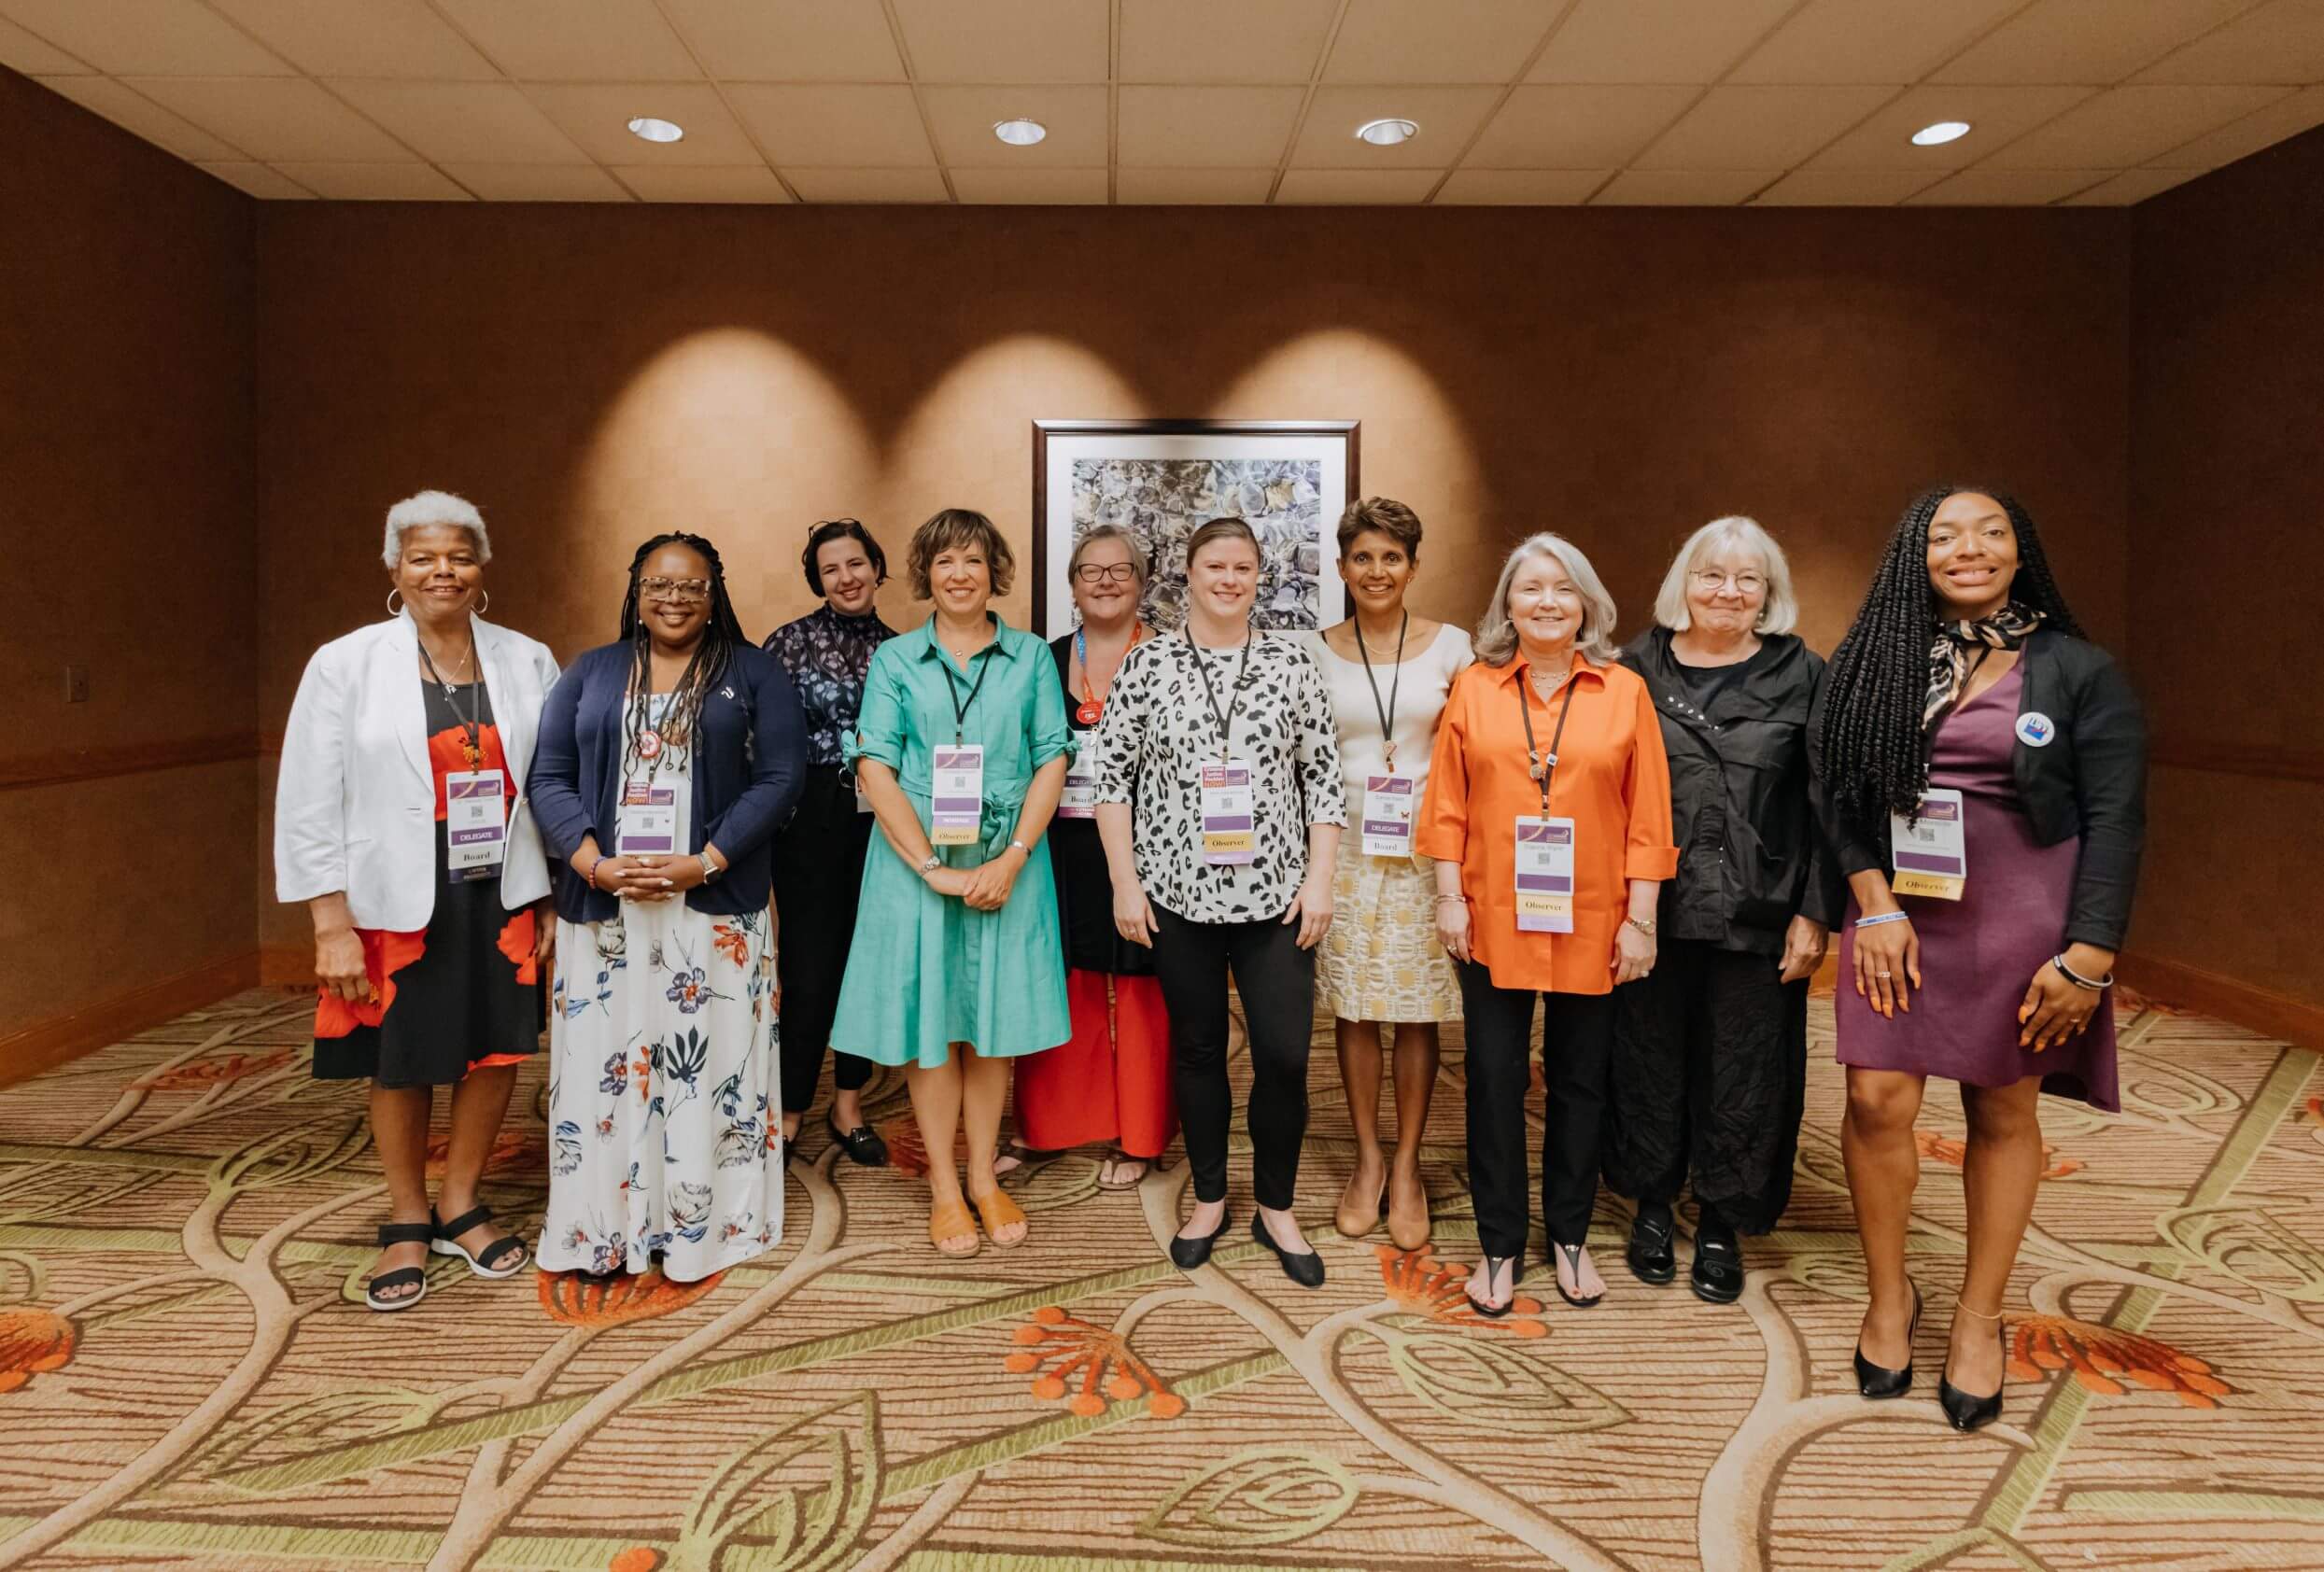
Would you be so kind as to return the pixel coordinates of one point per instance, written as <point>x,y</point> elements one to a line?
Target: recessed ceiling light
<point>653,130</point>
<point>1020,133</point>
<point>1387,134</point>
<point>1941,133</point>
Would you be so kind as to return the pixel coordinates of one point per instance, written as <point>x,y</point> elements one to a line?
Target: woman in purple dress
<point>1981,771</point>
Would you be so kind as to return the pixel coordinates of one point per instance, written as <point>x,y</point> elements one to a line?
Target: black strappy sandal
<point>1573,1253</point>
<point>1492,1273</point>
<point>399,1233</point>
<point>446,1243</point>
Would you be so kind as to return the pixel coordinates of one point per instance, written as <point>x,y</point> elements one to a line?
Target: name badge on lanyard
<point>1545,876</point>
<point>475,823</point>
<point>1932,854</point>
<point>648,826</point>
<point>1388,815</point>
<point>956,810</point>
<point>862,803</point>
<point>1079,800</point>
<point>1229,839</point>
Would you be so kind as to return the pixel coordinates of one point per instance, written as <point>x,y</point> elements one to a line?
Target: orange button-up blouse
<point>1611,780</point>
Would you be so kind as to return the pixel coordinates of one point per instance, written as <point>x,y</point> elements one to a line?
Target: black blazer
<point>2089,781</point>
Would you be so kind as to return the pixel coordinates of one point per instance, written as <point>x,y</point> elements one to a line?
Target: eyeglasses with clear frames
<point>1710,582</point>
<point>678,592</point>
<point>1105,572</point>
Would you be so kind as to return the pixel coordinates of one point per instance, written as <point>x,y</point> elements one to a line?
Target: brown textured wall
<point>126,446</point>
<point>2227,530</point>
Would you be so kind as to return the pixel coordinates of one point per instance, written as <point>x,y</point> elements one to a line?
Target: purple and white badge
<point>475,823</point>
<point>1386,815</point>
<point>956,795</point>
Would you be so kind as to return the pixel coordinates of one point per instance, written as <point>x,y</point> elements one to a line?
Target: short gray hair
<point>426,510</point>
<point>1097,532</point>
<point>1778,613</point>
<point>1497,637</point>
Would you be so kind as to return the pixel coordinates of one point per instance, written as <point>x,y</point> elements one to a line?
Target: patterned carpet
<point>187,1379</point>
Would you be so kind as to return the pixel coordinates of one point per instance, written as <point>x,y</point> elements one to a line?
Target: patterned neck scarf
<point>1960,648</point>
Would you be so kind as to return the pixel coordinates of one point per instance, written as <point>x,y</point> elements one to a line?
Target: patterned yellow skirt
<point>1379,959</point>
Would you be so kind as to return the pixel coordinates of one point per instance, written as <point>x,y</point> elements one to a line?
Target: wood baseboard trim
<point>2305,764</point>
<point>2299,1021</point>
<point>60,1039</point>
<point>102,764</point>
<point>287,966</point>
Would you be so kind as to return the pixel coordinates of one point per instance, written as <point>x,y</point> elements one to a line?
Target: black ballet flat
<point>1963,1411</point>
<point>1651,1256</point>
<point>1878,1381</point>
<point>1717,1275</point>
<point>862,1144</point>
<point>1492,1271</point>
<point>1573,1253</point>
<point>1304,1269</point>
<point>1188,1252</point>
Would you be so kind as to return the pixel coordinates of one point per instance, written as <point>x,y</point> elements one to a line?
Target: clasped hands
<point>982,888</point>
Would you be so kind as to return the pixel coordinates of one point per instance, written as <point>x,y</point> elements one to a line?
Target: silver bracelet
<point>2070,974</point>
<point>1020,846</point>
<point>1864,922</point>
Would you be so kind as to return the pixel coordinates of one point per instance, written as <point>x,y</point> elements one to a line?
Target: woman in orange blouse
<point>1548,813</point>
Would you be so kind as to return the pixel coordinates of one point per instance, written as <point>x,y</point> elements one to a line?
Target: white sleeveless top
<point>1421,686</point>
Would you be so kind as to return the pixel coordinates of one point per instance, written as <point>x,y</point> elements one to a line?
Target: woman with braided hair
<point>1980,768</point>
<point>667,760</point>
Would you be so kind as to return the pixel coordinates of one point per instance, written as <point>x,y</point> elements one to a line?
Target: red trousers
<point>1109,1082</point>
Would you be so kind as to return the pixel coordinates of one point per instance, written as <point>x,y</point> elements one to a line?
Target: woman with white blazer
<point>399,822</point>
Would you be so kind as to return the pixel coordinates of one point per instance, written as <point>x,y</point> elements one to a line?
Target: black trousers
<point>819,873</point>
<point>1709,1073</point>
<point>1577,1043</point>
<point>1278,981</point>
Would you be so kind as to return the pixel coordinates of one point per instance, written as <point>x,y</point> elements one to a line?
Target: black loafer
<point>862,1144</point>
<point>1188,1252</point>
<point>1651,1258</point>
<point>1717,1274</point>
<point>1304,1269</point>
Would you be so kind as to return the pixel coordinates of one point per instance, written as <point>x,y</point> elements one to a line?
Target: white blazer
<point>355,806</point>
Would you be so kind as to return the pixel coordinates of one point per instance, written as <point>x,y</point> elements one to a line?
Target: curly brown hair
<point>949,530</point>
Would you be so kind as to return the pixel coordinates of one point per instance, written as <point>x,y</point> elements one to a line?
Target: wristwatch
<point>709,869</point>
<point>1644,924</point>
<point>930,864</point>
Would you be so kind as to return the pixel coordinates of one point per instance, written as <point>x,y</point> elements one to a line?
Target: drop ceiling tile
<point>842,127</point>
<point>2096,42</point>
<point>1893,41</point>
<point>789,40</point>
<point>1355,187</point>
<point>538,182</point>
<point>1006,40</point>
<point>1988,187</point>
<point>1030,187</point>
<point>1519,188</point>
<point>576,40</point>
<point>1172,187</point>
<point>1222,127</point>
<point>2238,139</point>
<point>1760,127</point>
<point>963,118</point>
<point>598,119</point>
<point>257,180</point>
<point>374,182</point>
<point>148,37</point>
<point>463,122</point>
<point>1997,115</point>
<point>1447,117</point>
<point>1655,40</point>
<point>2129,188</point>
<point>275,118</point>
<point>1846,187</point>
<point>1577,126</point>
<point>2128,125</point>
<point>1223,41</point>
<point>866,185</point>
<point>692,182</point>
<point>363,38</point>
<point>2281,41</point>
<point>1681,188</point>
<point>134,112</point>
<point>1441,41</point>
<point>33,56</point>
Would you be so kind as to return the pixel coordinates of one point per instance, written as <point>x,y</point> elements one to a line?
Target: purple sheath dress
<point>1978,953</point>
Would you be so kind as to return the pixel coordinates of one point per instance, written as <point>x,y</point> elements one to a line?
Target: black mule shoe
<point>1304,1269</point>
<point>1717,1275</point>
<point>1963,1411</point>
<point>1651,1256</point>
<point>1878,1381</point>
<point>1188,1252</point>
<point>862,1144</point>
<point>1492,1271</point>
<point>1573,1253</point>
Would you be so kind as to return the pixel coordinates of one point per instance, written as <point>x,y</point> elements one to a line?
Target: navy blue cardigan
<point>750,759</point>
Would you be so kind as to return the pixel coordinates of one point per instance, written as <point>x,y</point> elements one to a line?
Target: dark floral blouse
<point>825,655</point>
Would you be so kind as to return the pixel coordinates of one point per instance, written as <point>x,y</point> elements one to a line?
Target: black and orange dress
<point>463,992</point>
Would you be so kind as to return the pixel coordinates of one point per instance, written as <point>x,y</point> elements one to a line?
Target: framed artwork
<point>1161,479</point>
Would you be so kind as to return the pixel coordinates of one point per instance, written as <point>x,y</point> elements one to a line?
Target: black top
<point>825,655</point>
<point>1085,887</point>
<point>1705,683</point>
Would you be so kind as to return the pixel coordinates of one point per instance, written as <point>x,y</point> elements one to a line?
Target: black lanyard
<point>1234,695</point>
<point>1395,683</point>
<point>471,722</point>
<point>960,705</point>
<point>1539,768</point>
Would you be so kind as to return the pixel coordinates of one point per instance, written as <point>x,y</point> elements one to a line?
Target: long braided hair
<point>721,636</point>
<point>1875,747</point>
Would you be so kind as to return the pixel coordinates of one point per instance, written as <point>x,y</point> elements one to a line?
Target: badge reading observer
<point>957,807</point>
<point>1932,853</point>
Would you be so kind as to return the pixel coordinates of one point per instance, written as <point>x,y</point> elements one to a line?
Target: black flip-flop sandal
<point>446,1243</point>
<point>399,1233</point>
<point>1491,1272</point>
<point>1573,1253</point>
<point>1117,1159</point>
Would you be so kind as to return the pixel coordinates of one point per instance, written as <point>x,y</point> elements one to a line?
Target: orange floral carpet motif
<point>188,1379</point>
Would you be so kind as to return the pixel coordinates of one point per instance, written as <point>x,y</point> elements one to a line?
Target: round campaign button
<point>2035,729</point>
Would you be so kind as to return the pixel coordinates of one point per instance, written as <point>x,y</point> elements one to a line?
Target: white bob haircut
<point>428,509</point>
<point>1778,613</point>
<point>1497,637</point>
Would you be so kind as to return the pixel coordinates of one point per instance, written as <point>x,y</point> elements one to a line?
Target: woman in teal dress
<point>956,938</point>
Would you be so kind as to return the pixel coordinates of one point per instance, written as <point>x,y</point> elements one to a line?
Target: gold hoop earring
<point>487,605</point>
<point>393,609</point>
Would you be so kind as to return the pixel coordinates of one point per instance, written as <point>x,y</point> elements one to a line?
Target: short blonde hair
<point>1497,637</point>
<point>428,510</point>
<point>1778,613</point>
<point>949,530</point>
<point>1110,532</point>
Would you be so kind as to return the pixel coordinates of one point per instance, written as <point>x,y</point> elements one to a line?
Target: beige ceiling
<point>1701,103</point>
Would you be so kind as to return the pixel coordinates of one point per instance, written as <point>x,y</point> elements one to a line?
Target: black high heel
<point>1187,1253</point>
<point>1964,1412</point>
<point>1573,1253</point>
<point>1877,1381</point>
<point>1304,1269</point>
<point>1492,1271</point>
